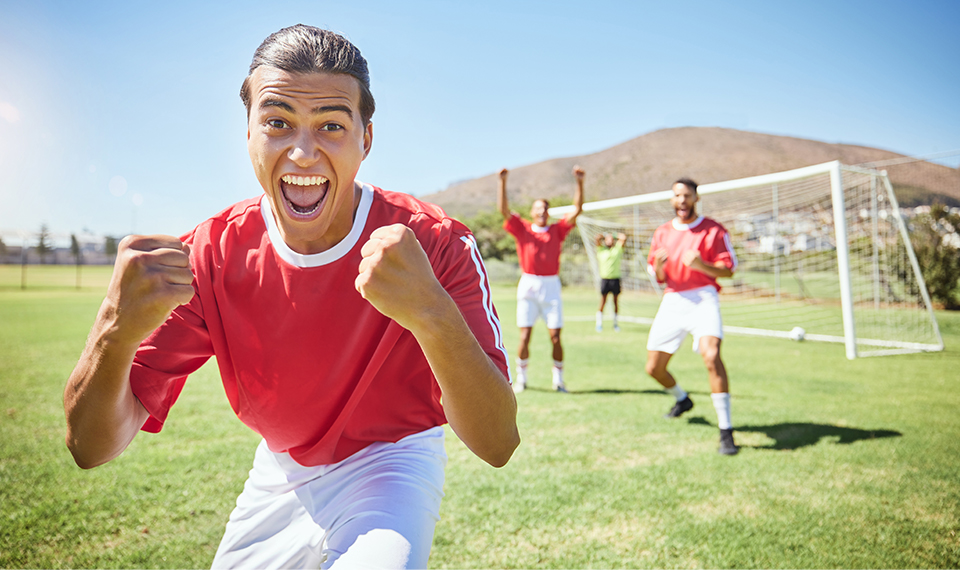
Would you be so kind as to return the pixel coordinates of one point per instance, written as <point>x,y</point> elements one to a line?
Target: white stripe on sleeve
<point>487,298</point>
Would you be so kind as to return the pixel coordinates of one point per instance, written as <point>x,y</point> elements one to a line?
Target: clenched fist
<point>151,278</point>
<point>396,276</point>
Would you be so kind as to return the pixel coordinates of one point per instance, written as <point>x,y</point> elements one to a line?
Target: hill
<point>653,161</point>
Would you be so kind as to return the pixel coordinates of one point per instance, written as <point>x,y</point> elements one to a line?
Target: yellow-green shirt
<point>608,260</point>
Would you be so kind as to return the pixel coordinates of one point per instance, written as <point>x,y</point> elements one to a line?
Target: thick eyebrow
<point>315,111</point>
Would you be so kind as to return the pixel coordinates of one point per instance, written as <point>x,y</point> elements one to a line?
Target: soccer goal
<point>824,248</point>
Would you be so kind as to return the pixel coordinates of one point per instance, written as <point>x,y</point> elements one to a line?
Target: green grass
<point>846,464</point>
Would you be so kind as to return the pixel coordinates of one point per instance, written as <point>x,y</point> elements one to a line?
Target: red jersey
<point>704,235</point>
<point>538,248</point>
<point>306,362</point>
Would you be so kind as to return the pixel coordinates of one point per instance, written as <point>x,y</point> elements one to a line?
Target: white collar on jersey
<point>539,229</point>
<point>677,225</point>
<point>324,257</point>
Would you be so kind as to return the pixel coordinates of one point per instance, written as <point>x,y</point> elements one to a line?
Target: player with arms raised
<point>539,244</point>
<point>339,314</point>
<point>689,253</point>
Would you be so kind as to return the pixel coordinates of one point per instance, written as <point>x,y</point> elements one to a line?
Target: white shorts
<point>539,296</point>
<point>376,509</point>
<point>695,312</point>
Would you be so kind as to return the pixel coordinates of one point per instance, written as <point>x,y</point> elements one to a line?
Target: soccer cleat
<point>727,447</point>
<point>616,328</point>
<point>599,328</point>
<point>560,387</point>
<point>519,387</point>
<point>681,407</point>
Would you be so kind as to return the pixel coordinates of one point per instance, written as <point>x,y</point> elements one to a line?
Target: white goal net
<point>824,248</point>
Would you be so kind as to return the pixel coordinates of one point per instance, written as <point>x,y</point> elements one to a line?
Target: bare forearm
<point>502,205</point>
<point>660,273</point>
<point>717,270</point>
<point>477,400</point>
<point>103,415</point>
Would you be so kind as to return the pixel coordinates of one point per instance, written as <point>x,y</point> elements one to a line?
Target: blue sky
<point>124,116</point>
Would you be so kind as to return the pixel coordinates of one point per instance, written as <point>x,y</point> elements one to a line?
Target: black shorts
<point>609,286</point>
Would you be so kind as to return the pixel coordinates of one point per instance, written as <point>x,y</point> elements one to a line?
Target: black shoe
<point>684,405</point>
<point>727,447</point>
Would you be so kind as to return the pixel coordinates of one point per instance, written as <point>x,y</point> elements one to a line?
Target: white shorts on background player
<point>696,312</point>
<point>538,296</point>
<point>376,509</point>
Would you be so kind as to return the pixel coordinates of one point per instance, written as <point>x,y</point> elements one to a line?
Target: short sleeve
<point>513,225</point>
<point>722,250</point>
<point>461,271</point>
<point>176,349</point>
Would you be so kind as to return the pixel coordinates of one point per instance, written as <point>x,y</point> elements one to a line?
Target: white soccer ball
<point>797,333</point>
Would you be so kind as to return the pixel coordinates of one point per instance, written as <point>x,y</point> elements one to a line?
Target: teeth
<point>304,180</point>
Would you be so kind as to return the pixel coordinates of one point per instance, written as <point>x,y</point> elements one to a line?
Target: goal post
<point>824,248</point>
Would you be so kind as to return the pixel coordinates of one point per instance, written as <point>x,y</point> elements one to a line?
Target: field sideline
<point>850,464</point>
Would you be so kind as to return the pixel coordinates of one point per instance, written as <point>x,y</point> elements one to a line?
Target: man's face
<point>684,202</point>
<point>540,213</point>
<point>306,142</point>
<point>608,240</point>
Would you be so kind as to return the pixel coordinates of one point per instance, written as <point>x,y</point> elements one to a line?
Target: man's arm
<point>659,262</point>
<point>397,278</point>
<point>571,218</point>
<point>150,279</point>
<point>502,203</point>
<point>621,239</point>
<point>691,258</point>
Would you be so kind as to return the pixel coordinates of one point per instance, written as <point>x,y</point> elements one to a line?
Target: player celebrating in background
<point>538,292</point>
<point>339,314</point>
<point>609,255</point>
<point>689,253</point>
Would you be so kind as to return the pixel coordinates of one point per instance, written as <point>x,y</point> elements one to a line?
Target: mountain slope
<point>653,161</point>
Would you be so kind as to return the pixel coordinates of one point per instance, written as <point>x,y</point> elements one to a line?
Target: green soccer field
<point>847,464</point>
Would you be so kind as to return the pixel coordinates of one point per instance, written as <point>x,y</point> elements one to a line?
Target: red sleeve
<point>721,249</point>
<point>461,271</point>
<point>565,228</point>
<point>514,225</point>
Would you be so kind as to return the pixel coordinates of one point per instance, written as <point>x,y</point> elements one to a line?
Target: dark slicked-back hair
<point>306,49</point>
<point>688,183</point>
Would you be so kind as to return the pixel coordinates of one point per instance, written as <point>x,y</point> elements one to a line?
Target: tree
<point>77,255</point>
<point>43,242</point>
<point>492,240</point>
<point>936,241</point>
<point>3,249</point>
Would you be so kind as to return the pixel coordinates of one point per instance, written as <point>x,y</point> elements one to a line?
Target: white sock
<point>721,402</point>
<point>522,370</point>
<point>599,318</point>
<point>614,319</point>
<point>558,373</point>
<point>677,392</point>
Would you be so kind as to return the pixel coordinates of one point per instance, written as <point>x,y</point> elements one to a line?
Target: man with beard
<point>689,253</point>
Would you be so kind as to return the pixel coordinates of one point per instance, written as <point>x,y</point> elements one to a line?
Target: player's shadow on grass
<point>597,391</point>
<point>614,391</point>
<point>790,436</point>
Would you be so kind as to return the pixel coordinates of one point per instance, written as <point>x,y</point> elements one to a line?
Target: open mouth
<point>304,194</point>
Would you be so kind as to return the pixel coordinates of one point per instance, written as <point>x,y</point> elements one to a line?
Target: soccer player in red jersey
<point>339,315</point>
<point>689,253</point>
<point>538,292</point>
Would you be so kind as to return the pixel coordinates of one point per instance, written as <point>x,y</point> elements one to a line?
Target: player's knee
<point>711,358</point>
<point>653,368</point>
